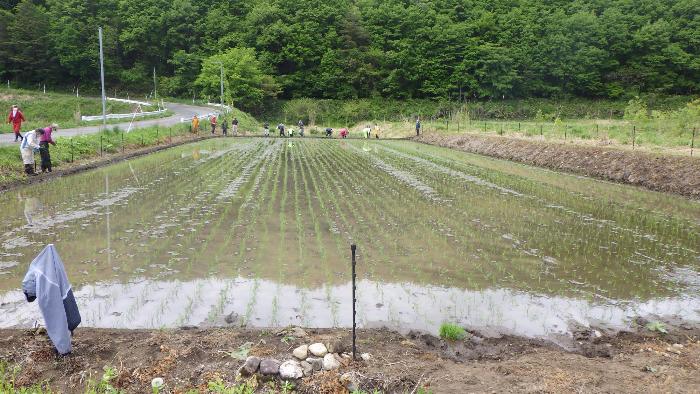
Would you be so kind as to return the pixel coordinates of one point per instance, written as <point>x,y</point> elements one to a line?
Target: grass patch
<point>43,109</point>
<point>452,332</point>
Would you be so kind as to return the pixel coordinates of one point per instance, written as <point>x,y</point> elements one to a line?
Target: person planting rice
<point>212,121</point>
<point>329,131</point>
<point>234,123</point>
<point>367,131</point>
<point>291,132</point>
<point>16,118</point>
<point>280,127</point>
<point>44,142</point>
<point>301,127</point>
<point>344,133</point>
<point>417,126</point>
<point>224,127</point>
<point>195,124</point>
<point>266,129</point>
<point>376,131</point>
<point>29,145</point>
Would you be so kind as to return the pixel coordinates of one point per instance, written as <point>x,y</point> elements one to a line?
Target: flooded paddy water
<point>257,232</point>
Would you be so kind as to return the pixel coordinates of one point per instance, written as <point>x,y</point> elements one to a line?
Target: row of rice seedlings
<point>629,216</point>
<point>585,249</point>
<point>152,204</point>
<point>247,181</point>
<point>303,259</point>
<point>455,225</point>
<point>371,233</point>
<point>384,203</point>
<point>197,186</point>
<point>154,242</point>
<point>247,212</point>
<point>317,174</point>
<point>270,191</point>
<point>312,213</point>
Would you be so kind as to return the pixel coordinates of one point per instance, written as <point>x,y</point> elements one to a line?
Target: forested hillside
<point>362,48</point>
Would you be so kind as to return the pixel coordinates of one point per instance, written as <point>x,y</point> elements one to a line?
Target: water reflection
<point>32,207</point>
<point>402,306</point>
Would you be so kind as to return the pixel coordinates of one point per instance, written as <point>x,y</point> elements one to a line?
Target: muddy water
<point>257,232</point>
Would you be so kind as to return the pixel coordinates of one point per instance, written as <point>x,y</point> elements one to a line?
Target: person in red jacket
<point>16,118</point>
<point>212,121</point>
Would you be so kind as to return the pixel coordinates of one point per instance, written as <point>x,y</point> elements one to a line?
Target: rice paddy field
<point>257,232</point>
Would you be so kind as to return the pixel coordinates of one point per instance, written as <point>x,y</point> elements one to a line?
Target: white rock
<point>301,352</point>
<point>291,369</point>
<point>318,349</point>
<point>366,356</point>
<point>330,362</point>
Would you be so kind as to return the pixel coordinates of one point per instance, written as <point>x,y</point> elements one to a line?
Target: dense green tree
<point>245,85</point>
<point>366,48</point>
<point>27,48</point>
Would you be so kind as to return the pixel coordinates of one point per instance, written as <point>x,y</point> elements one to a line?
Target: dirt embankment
<point>671,174</point>
<point>188,359</point>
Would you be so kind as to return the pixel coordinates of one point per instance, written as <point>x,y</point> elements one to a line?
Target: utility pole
<point>102,77</point>
<point>155,87</point>
<point>222,85</point>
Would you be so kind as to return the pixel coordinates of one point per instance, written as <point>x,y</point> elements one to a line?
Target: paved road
<point>179,110</point>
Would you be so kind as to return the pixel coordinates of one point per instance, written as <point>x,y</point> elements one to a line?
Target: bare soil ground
<point>189,358</point>
<point>665,173</point>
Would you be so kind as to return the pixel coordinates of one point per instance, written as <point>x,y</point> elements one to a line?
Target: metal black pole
<point>353,248</point>
<point>634,135</point>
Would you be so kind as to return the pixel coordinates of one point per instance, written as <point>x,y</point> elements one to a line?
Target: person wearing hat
<point>16,118</point>
<point>44,142</point>
<point>29,145</point>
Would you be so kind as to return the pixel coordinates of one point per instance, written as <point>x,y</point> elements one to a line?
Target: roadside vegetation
<point>41,109</point>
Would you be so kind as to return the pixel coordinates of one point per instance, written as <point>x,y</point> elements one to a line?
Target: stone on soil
<point>318,349</point>
<point>330,362</point>
<point>291,369</point>
<point>250,366</point>
<point>269,366</point>
<point>337,346</point>
<point>307,368</point>
<point>350,381</point>
<point>301,352</point>
<point>316,363</point>
<point>366,356</point>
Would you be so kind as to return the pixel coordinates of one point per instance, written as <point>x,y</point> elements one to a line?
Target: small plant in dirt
<point>657,326</point>
<point>287,387</point>
<point>452,332</point>
<point>218,386</point>
<point>104,386</point>
<point>242,353</point>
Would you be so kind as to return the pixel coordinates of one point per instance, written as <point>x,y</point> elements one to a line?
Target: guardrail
<point>123,116</point>
<point>129,101</point>
<point>204,116</point>
<point>224,106</point>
